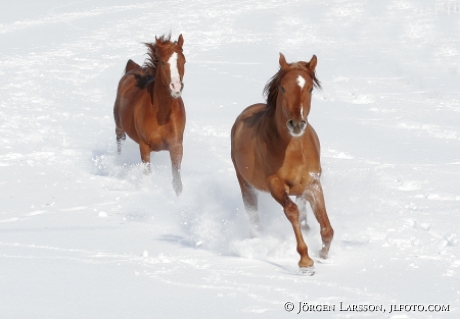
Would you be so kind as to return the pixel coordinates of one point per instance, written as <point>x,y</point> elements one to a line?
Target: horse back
<point>129,97</point>
<point>247,147</point>
<point>246,125</point>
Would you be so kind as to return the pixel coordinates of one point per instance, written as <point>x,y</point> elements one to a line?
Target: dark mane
<point>143,80</point>
<point>149,68</point>
<point>272,86</point>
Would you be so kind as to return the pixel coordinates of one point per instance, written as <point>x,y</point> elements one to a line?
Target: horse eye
<point>162,63</point>
<point>282,89</point>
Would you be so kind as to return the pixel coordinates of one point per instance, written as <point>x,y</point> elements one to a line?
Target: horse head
<point>295,89</point>
<point>170,64</point>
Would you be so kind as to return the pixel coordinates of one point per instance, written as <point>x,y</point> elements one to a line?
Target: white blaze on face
<point>175,85</point>
<point>300,81</point>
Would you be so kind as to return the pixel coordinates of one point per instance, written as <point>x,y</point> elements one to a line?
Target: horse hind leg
<point>145,150</point>
<point>119,131</point>
<point>301,202</point>
<point>250,203</point>
<point>121,136</point>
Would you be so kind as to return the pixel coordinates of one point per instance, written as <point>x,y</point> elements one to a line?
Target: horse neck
<point>279,125</point>
<point>161,95</point>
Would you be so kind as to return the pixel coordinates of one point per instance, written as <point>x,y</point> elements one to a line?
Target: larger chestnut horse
<point>275,149</point>
<point>149,107</point>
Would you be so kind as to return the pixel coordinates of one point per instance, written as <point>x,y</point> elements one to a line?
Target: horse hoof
<point>177,188</point>
<point>307,271</point>
<point>146,169</point>
<point>324,253</point>
<point>255,231</point>
<point>324,261</point>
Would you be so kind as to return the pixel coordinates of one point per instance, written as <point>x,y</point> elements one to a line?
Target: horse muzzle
<point>176,88</point>
<point>296,128</point>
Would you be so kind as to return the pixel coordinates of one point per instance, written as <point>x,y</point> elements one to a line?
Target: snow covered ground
<point>84,234</point>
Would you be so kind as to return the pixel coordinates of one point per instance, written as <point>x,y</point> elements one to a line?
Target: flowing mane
<point>146,74</point>
<point>161,45</point>
<point>272,87</point>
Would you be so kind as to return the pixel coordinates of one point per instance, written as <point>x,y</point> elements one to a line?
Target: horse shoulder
<point>174,128</point>
<point>244,126</point>
<point>312,145</point>
<point>142,110</point>
<point>127,86</point>
<point>179,112</point>
<point>247,121</point>
<point>248,148</point>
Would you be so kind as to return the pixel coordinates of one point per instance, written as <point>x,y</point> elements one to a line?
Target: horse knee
<point>292,212</point>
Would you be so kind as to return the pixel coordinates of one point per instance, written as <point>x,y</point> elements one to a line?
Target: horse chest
<point>160,137</point>
<point>156,142</point>
<point>294,175</point>
<point>157,132</point>
<point>297,172</point>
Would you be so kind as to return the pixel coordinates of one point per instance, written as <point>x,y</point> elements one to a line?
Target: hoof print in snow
<point>307,271</point>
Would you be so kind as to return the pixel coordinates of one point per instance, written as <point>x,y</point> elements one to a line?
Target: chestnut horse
<point>149,107</point>
<point>275,149</point>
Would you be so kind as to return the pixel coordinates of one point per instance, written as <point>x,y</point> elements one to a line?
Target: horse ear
<point>313,62</point>
<point>283,62</point>
<point>180,41</point>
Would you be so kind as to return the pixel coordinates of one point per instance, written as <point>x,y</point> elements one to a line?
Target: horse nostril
<point>290,124</point>
<point>302,124</point>
<point>176,87</point>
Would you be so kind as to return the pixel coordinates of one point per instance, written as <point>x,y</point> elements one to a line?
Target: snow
<point>84,234</point>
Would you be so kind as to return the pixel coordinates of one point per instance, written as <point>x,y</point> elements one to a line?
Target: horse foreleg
<point>121,136</point>
<point>315,196</point>
<point>175,154</point>
<point>145,156</point>
<point>250,202</point>
<point>278,191</point>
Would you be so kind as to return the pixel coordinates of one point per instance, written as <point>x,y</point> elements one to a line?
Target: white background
<point>84,234</point>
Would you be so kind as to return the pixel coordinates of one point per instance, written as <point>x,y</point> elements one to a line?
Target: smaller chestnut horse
<point>149,107</point>
<point>275,149</point>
